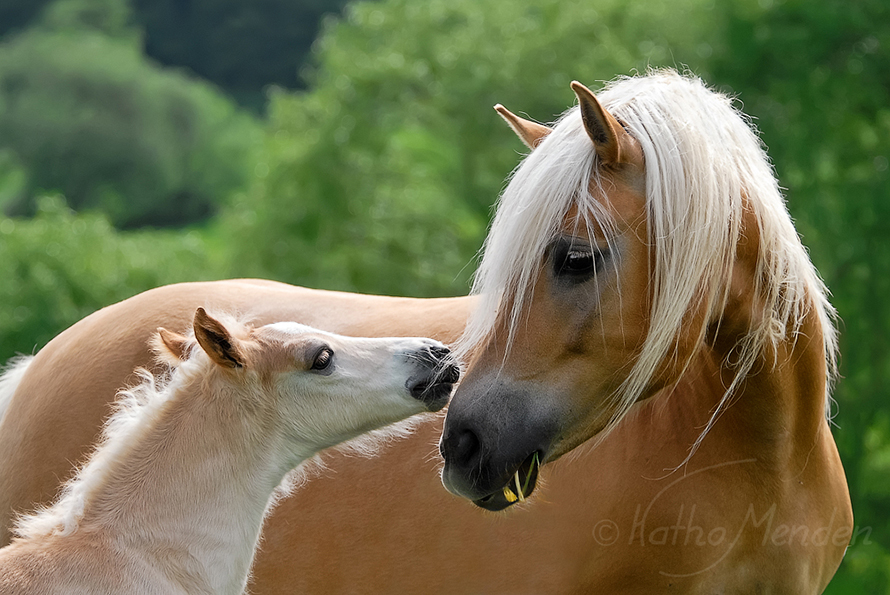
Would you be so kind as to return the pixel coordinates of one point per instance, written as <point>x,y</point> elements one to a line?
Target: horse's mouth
<point>518,489</point>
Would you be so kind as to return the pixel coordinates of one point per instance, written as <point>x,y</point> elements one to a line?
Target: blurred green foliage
<point>241,46</point>
<point>380,178</point>
<point>87,115</point>
<point>59,267</point>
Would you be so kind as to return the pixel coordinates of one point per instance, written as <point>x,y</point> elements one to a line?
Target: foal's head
<point>277,393</point>
<point>318,388</point>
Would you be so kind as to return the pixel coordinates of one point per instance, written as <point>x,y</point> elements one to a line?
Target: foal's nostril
<point>443,365</point>
<point>439,352</point>
<point>435,356</point>
<point>449,373</point>
<point>435,378</point>
<point>419,388</point>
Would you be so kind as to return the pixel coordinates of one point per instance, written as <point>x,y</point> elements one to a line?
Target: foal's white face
<point>317,389</point>
<point>331,388</point>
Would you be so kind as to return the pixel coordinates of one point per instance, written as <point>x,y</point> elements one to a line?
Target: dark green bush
<point>87,115</point>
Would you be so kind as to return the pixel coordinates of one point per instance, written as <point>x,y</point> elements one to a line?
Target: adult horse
<point>642,290</point>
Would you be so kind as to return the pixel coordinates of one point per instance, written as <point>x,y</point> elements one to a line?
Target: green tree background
<point>155,142</point>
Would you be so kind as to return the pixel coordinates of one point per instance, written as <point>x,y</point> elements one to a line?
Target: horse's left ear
<point>216,340</point>
<point>171,347</point>
<point>611,141</point>
<point>530,133</point>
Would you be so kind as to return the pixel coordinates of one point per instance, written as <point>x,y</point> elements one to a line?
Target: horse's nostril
<point>460,449</point>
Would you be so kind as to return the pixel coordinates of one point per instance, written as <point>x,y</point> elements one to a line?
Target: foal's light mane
<point>135,411</point>
<point>704,164</point>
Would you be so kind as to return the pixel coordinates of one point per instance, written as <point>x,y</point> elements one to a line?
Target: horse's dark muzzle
<point>493,444</point>
<point>490,485</point>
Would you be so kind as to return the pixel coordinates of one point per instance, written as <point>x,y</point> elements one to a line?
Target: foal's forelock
<point>705,166</point>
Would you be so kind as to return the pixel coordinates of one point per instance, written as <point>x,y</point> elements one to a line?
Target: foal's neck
<point>193,487</point>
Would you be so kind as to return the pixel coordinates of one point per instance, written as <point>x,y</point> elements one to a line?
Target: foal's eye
<point>322,360</point>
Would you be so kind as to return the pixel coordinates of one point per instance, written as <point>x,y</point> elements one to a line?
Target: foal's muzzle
<point>433,383</point>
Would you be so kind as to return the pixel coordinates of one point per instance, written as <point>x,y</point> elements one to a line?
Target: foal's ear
<point>530,133</point>
<point>216,340</point>
<point>611,141</point>
<point>172,347</point>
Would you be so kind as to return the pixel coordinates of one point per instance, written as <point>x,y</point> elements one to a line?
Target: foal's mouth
<point>435,390</point>
<point>518,489</point>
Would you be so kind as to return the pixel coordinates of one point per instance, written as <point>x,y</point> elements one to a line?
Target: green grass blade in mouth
<point>528,476</point>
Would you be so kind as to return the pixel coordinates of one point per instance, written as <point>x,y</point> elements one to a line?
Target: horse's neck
<point>192,491</point>
<point>778,409</point>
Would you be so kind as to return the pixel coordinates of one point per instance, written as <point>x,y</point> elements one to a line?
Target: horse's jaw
<point>517,490</point>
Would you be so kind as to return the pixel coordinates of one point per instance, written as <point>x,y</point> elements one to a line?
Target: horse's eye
<point>577,263</point>
<point>322,360</point>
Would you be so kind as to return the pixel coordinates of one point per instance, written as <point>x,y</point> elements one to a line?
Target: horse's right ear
<point>216,340</point>
<point>530,133</point>
<point>612,143</point>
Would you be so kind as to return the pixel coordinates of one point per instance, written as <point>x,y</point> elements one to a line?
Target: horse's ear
<point>530,133</point>
<point>611,141</point>
<point>171,347</point>
<point>216,340</point>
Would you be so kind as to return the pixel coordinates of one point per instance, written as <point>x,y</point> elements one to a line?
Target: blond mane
<point>133,410</point>
<point>704,164</point>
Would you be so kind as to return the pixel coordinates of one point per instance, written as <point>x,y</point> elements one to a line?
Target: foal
<point>173,498</point>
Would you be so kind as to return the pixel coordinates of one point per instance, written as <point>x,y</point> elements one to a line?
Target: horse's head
<point>314,388</point>
<point>540,382</point>
<point>606,267</point>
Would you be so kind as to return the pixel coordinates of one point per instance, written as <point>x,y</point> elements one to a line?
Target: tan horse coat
<point>762,505</point>
<point>605,520</point>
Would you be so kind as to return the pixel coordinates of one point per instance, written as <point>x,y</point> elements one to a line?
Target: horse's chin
<point>521,485</point>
